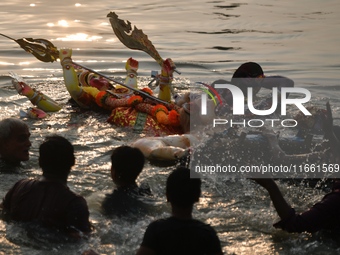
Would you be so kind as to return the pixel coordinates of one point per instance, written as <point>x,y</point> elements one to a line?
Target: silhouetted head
<point>56,157</point>
<point>127,164</point>
<point>14,140</point>
<point>181,190</point>
<point>244,72</point>
<point>248,70</point>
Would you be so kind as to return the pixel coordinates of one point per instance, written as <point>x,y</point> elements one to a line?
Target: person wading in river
<point>323,215</point>
<point>14,143</point>
<point>48,200</point>
<point>180,234</point>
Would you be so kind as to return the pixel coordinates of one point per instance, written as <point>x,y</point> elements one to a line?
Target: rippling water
<point>207,40</point>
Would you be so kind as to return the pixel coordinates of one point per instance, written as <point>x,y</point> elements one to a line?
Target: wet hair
<point>127,163</point>
<point>181,189</point>
<point>8,125</point>
<point>56,156</point>
<point>246,70</point>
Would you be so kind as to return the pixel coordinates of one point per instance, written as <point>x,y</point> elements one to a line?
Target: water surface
<point>207,40</point>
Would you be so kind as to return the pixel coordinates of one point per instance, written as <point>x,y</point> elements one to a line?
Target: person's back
<point>48,200</point>
<point>127,201</point>
<point>180,234</point>
<point>50,203</point>
<point>127,198</point>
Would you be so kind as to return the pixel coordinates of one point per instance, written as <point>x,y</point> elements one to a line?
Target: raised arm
<point>284,210</point>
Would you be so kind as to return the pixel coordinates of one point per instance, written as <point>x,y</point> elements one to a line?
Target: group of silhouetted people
<point>49,201</point>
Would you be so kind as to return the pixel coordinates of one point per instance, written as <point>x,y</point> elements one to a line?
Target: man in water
<point>250,74</point>
<point>180,234</point>
<point>323,215</point>
<point>14,142</point>
<point>48,200</point>
<point>126,165</point>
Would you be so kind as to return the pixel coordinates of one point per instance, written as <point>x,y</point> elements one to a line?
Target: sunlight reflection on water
<point>207,40</point>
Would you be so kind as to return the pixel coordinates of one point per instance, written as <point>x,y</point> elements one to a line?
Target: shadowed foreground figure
<point>323,215</point>
<point>180,234</point>
<point>14,142</point>
<point>48,200</point>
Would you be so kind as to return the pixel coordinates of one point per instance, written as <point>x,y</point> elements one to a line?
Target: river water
<point>207,40</point>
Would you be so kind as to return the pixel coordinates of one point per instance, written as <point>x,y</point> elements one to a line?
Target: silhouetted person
<point>126,165</point>
<point>48,200</point>
<point>323,215</point>
<point>250,74</point>
<point>180,233</point>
